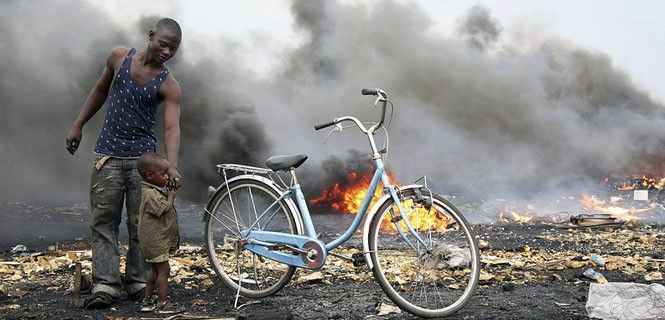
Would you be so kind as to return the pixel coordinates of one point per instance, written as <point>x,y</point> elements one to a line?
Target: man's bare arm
<point>95,100</point>
<point>172,94</point>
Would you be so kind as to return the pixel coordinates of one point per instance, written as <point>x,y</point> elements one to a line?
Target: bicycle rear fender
<point>289,202</point>
<point>372,212</point>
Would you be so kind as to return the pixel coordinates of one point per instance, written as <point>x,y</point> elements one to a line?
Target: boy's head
<point>153,168</point>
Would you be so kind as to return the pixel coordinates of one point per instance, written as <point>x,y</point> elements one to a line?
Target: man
<point>133,83</point>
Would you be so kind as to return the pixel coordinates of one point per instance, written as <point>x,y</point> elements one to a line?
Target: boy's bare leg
<point>151,279</point>
<point>163,270</point>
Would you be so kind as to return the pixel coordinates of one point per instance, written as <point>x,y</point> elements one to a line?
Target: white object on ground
<point>626,301</point>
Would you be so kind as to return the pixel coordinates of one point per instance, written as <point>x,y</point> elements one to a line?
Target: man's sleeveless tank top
<point>130,117</point>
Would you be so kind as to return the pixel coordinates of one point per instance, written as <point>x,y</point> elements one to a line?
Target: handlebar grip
<point>324,125</point>
<point>369,92</point>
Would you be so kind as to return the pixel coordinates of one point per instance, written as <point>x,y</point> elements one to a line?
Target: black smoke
<point>474,111</point>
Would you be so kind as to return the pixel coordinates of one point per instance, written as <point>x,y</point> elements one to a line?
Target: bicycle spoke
<point>236,209</point>
<point>432,278</point>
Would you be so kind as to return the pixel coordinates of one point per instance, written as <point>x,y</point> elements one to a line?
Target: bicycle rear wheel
<point>431,280</point>
<point>236,208</point>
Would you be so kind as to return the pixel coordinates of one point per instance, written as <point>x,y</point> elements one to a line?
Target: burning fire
<point>420,218</point>
<point>643,183</point>
<point>508,215</point>
<point>347,197</point>
<point>593,203</point>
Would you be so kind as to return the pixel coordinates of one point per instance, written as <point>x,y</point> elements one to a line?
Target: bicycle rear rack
<point>251,170</point>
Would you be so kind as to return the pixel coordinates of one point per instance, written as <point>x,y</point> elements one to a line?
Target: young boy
<point>157,230</point>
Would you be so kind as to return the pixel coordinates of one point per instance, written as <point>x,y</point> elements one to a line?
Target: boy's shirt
<point>153,199</point>
<point>158,224</point>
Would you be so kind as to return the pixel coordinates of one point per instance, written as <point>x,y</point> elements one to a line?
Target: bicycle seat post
<point>294,179</point>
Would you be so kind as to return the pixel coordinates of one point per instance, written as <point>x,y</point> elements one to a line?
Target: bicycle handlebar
<point>381,97</point>
<point>324,125</point>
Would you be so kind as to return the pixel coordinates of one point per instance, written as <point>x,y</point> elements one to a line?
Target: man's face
<point>163,44</point>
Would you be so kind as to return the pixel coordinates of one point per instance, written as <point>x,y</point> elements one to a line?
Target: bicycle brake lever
<point>378,99</point>
<point>338,128</point>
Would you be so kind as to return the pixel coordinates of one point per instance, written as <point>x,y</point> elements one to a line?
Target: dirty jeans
<point>115,181</point>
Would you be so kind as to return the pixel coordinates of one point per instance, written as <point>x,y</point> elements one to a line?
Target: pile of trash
<point>601,258</point>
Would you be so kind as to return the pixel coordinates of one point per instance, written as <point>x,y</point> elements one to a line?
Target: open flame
<point>593,203</point>
<point>509,215</point>
<point>642,183</point>
<point>347,197</point>
<point>421,218</point>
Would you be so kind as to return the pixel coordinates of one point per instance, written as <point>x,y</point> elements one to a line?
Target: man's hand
<point>175,179</point>
<point>73,139</point>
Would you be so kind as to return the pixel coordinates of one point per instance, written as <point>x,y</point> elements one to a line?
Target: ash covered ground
<point>529,271</point>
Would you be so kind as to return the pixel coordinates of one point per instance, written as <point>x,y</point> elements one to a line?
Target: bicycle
<point>258,230</point>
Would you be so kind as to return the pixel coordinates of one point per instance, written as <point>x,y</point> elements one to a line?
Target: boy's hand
<point>175,179</point>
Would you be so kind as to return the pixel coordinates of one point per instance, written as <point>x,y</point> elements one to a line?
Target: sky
<point>630,32</point>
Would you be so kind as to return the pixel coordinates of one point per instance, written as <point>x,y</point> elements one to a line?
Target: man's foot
<point>98,300</point>
<point>148,304</point>
<point>167,307</point>
<point>137,296</point>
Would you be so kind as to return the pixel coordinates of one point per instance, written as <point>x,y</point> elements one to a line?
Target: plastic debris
<point>595,275</point>
<point>19,248</point>
<point>449,256</point>
<point>598,260</point>
<point>385,309</point>
<point>626,301</point>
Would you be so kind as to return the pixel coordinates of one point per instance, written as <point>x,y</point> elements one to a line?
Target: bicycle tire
<point>235,208</point>
<point>442,280</point>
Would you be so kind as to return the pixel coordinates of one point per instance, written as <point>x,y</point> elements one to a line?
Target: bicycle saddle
<point>277,163</point>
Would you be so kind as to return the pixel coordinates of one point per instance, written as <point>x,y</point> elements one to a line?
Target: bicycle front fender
<point>372,212</point>
<point>289,202</point>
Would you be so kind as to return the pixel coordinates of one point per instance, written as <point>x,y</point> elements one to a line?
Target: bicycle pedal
<point>358,259</point>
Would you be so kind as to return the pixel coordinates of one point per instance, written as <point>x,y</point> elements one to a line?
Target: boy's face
<point>159,173</point>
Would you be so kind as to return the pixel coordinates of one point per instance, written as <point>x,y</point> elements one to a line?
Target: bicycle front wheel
<point>240,204</point>
<point>432,278</point>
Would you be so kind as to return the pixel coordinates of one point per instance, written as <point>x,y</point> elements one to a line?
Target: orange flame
<point>593,203</point>
<point>420,217</point>
<point>644,182</point>
<point>347,198</point>
<point>508,215</point>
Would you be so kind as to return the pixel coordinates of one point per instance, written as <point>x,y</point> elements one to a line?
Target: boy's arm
<point>94,101</point>
<point>170,198</point>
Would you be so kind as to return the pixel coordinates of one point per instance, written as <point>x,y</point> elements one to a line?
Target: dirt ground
<point>531,271</point>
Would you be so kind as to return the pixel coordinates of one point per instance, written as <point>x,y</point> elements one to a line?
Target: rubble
<point>514,257</point>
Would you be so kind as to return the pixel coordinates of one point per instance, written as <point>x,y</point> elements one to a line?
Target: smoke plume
<point>504,121</point>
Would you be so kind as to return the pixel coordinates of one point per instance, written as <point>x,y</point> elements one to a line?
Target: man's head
<point>164,40</point>
<point>153,168</point>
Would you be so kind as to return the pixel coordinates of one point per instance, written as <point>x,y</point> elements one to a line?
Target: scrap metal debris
<point>542,254</point>
<point>619,250</point>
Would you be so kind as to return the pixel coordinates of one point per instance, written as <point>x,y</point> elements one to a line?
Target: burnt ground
<point>541,280</point>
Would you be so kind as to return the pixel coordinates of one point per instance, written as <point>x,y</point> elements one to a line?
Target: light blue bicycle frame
<point>261,242</point>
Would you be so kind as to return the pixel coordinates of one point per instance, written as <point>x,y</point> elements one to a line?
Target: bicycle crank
<point>312,254</point>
